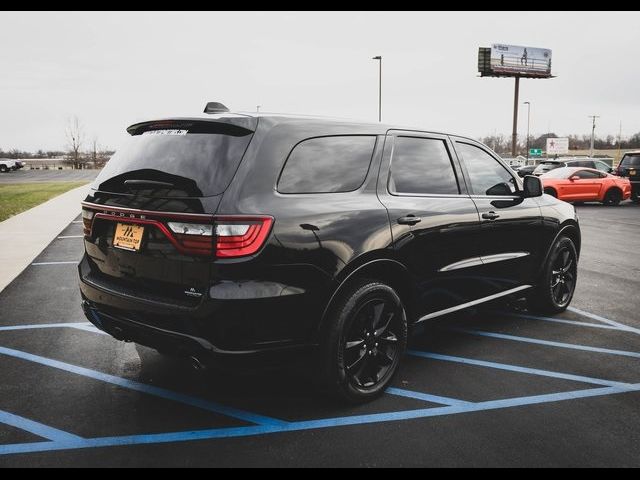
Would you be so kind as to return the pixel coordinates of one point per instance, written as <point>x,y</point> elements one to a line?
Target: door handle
<point>409,220</point>
<point>490,215</point>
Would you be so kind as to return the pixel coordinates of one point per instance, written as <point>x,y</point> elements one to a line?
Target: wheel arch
<point>569,229</point>
<point>385,269</point>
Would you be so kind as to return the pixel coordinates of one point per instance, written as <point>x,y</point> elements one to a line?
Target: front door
<point>434,222</point>
<point>511,232</point>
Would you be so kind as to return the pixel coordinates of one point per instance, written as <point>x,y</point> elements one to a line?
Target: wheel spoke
<point>384,358</point>
<point>360,361</point>
<point>377,314</point>
<point>554,284</point>
<point>354,344</point>
<point>389,338</point>
<point>567,266</point>
<point>565,257</point>
<point>383,329</point>
<point>556,291</point>
<point>569,282</point>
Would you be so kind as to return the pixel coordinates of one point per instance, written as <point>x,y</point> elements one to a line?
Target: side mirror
<point>532,187</point>
<point>574,178</point>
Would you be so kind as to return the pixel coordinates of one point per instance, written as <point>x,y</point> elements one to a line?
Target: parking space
<point>487,387</point>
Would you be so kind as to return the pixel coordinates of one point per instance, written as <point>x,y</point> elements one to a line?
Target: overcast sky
<point>113,69</point>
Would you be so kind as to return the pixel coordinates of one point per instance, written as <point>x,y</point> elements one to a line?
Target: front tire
<point>362,342</point>
<point>557,283</point>
<point>3,168</point>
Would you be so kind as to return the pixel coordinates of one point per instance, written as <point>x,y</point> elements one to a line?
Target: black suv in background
<point>629,166</point>
<point>231,235</point>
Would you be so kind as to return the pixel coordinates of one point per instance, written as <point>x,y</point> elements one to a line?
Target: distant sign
<point>557,146</point>
<point>535,152</point>
<point>514,61</point>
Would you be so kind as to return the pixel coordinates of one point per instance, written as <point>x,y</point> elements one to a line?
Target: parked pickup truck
<point>6,165</point>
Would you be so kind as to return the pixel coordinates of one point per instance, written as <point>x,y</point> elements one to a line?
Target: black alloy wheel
<point>371,346</point>
<point>563,277</point>
<point>362,341</point>
<point>612,197</point>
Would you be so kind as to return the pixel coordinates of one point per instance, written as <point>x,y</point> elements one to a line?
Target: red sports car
<point>576,184</point>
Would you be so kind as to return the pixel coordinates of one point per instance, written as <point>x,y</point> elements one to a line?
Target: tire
<point>3,168</point>
<point>635,198</point>
<point>551,191</point>
<point>612,198</point>
<point>557,282</point>
<point>362,342</point>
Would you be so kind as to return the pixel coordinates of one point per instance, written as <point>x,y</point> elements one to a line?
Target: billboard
<point>514,60</point>
<point>557,146</point>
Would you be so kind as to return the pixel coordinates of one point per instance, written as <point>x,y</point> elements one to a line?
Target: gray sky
<point>113,69</point>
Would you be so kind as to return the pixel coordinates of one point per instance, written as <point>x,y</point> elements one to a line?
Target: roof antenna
<point>215,107</point>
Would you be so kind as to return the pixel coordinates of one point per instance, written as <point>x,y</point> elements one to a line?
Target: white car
<point>6,165</point>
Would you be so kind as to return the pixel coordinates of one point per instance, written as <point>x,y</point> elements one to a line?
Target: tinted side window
<point>582,163</point>
<point>487,175</point>
<point>327,165</point>
<point>603,167</point>
<point>422,166</point>
<point>630,161</point>
<point>587,174</point>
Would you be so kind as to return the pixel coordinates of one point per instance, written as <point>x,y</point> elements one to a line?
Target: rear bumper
<point>217,328</point>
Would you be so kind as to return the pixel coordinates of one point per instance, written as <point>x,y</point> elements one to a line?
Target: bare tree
<point>75,138</point>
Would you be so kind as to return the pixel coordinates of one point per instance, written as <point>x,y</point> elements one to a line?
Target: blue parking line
<point>401,392</point>
<point>36,428</point>
<point>572,346</point>
<point>560,320</point>
<point>150,439</point>
<point>604,320</point>
<point>518,369</point>
<point>144,388</point>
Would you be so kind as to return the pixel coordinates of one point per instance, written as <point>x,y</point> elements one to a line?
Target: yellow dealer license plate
<point>128,236</point>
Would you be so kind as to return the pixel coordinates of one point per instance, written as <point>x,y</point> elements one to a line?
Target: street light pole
<point>528,104</point>
<point>593,129</point>
<point>379,58</point>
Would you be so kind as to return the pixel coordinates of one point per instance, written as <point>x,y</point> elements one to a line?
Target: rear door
<point>148,218</point>
<point>511,226</point>
<point>434,222</point>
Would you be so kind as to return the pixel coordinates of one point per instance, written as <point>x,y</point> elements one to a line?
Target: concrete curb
<point>24,236</point>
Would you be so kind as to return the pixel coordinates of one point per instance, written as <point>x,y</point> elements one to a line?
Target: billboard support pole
<point>514,134</point>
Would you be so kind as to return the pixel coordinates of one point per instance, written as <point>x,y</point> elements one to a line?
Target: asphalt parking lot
<point>482,388</point>
<point>28,176</point>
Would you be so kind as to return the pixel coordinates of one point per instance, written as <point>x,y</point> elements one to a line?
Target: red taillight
<point>241,236</point>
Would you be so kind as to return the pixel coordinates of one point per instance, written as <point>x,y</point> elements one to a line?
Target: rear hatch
<point>630,167</point>
<point>150,225</point>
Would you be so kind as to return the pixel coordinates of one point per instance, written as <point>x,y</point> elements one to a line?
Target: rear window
<point>327,164</point>
<point>630,161</point>
<point>180,159</point>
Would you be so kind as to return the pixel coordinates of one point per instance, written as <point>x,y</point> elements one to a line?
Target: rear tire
<point>557,283</point>
<point>551,191</point>
<point>3,168</point>
<point>362,342</point>
<point>612,198</point>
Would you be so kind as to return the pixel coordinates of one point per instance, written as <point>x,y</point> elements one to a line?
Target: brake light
<point>87,221</point>
<point>195,238</point>
<point>241,236</point>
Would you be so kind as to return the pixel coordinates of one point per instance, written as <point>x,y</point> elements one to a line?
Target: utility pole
<point>514,134</point>
<point>258,108</point>
<point>619,142</point>
<point>528,104</point>
<point>593,129</point>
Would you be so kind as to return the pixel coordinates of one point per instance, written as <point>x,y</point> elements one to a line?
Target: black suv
<point>231,236</point>
<point>629,166</point>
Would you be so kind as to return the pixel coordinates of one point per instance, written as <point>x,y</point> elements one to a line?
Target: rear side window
<point>421,166</point>
<point>588,174</point>
<point>327,164</point>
